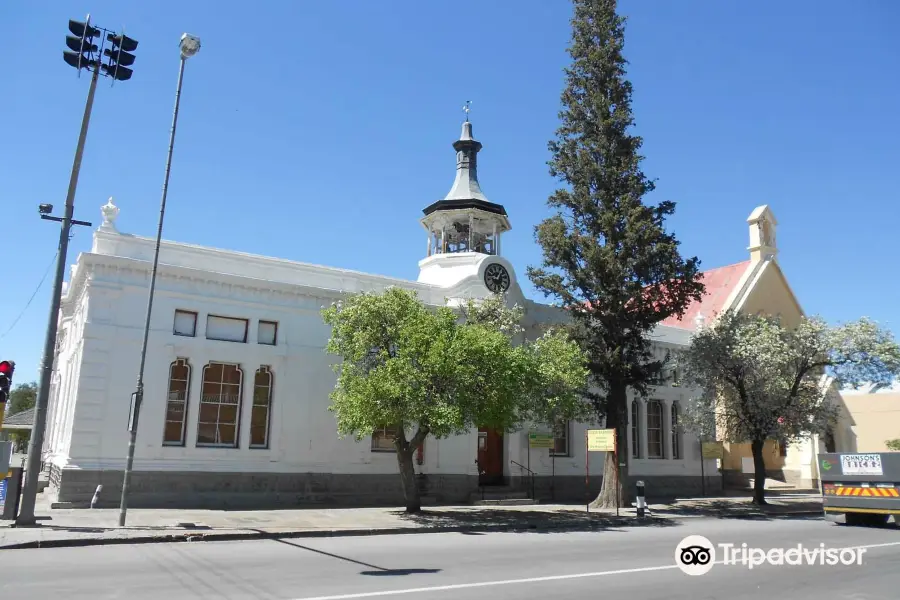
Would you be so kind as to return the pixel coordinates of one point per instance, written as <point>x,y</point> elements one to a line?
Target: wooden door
<point>490,457</point>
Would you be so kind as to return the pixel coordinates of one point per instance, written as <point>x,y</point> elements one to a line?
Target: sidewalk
<point>86,527</point>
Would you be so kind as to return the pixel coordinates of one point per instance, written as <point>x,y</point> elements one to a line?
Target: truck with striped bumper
<point>863,487</point>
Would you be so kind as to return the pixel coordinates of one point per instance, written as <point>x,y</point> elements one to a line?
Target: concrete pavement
<point>65,527</point>
<point>623,562</point>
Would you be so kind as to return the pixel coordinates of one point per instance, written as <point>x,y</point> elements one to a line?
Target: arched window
<point>635,429</point>
<point>261,409</point>
<point>655,429</point>
<point>177,402</point>
<point>220,405</point>
<point>676,431</point>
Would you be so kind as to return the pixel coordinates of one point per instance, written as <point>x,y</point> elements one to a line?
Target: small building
<point>873,416</point>
<point>20,422</point>
<point>237,379</point>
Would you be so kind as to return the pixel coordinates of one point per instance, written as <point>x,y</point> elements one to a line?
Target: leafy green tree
<point>21,398</point>
<point>426,371</point>
<point>607,257</point>
<point>761,381</point>
<point>893,445</point>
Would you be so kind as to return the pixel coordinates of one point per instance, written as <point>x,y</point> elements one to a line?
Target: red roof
<point>719,284</point>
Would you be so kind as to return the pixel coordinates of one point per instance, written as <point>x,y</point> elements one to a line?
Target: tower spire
<point>464,221</point>
<point>466,186</point>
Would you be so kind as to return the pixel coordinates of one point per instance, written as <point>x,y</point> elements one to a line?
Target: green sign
<point>540,440</point>
<point>826,464</point>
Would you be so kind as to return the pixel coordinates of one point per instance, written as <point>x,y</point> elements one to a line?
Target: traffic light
<point>6,374</point>
<point>120,57</point>
<point>81,45</point>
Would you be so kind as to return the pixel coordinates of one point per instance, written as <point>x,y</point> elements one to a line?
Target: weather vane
<point>466,109</point>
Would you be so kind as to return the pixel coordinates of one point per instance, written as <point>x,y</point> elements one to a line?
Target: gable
<point>770,294</point>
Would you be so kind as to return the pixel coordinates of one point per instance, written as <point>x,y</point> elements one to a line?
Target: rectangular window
<point>635,429</point>
<point>185,323</point>
<point>220,405</point>
<point>654,429</point>
<point>176,404</point>
<point>267,332</point>
<point>383,439</point>
<point>226,329</point>
<point>561,439</point>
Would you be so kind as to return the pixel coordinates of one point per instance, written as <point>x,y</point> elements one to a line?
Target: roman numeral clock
<point>496,278</point>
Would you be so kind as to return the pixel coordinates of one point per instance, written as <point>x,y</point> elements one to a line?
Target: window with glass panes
<point>220,405</point>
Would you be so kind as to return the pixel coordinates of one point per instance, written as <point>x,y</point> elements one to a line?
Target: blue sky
<point>318,131</point>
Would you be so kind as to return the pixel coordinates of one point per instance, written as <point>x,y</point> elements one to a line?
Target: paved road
<point>635,562</point>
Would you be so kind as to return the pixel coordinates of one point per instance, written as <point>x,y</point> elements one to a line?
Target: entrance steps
<point>501,495</point>
<point>774,485</point>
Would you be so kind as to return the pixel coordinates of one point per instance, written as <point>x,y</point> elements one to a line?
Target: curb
<point>796,513</point>
<point>321,533</point>
<point>330,533</point>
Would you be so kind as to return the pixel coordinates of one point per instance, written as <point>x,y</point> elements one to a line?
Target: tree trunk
<point>408,476</point>
<point>405,451</point>
<point>759,472</point>
<point>612,490</point>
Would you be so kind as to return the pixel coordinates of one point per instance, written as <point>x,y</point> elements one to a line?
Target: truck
<point>864,488</point>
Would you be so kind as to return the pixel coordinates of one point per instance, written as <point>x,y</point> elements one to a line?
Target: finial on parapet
<point>110,213</point>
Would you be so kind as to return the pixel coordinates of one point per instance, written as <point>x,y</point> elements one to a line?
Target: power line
<point>36,290</point>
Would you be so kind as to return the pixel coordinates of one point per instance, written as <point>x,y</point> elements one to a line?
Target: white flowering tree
<point>759,380</point>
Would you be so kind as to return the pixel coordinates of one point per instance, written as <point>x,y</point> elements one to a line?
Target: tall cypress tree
<point>607,258</point>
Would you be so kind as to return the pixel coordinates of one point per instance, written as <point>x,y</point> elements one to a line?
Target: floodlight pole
<point>138,397</point>
<point>36,443</point>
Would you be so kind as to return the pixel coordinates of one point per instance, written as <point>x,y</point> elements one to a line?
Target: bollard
<point>96,496</point>
<point>641,502</point>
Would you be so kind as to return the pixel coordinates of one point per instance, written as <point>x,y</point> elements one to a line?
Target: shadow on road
<point>723,509</point>
<point>531,521</point>
<point>375,569</point>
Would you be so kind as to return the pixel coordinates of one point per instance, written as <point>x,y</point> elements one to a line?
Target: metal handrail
<point>531,475</point>
<point>522,466</point>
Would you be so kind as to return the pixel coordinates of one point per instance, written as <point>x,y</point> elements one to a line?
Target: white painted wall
<point>98,367</point>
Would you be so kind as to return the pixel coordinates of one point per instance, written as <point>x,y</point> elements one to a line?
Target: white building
<point>237,378</point>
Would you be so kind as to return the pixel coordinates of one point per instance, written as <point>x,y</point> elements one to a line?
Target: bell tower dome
<point>464,227</point>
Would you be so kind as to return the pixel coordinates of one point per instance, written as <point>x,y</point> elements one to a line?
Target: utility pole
<point>189,46</point>
<point>83,54</point>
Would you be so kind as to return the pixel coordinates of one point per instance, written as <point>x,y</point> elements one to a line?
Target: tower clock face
<point>496,278</point>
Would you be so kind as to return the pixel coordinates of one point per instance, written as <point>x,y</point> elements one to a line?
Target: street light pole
<point>189,45</point>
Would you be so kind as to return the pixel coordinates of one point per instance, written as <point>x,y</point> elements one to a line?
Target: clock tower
<point>465,228</point>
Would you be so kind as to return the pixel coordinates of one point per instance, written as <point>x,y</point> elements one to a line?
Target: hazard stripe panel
<point>861,491</point>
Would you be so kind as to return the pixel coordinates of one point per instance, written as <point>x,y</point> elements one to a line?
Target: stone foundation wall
<point>658,488</point>
<point>166,489</point>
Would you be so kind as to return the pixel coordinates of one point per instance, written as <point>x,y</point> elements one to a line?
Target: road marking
<point>464,586</point>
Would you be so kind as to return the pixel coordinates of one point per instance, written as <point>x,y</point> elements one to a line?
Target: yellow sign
<point>713,450</point>
<point>601,440</point>
<point>540,440</point>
